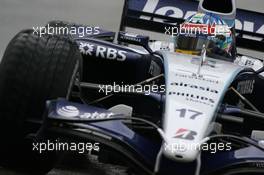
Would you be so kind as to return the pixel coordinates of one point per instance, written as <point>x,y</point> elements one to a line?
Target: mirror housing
<point>130,38</point>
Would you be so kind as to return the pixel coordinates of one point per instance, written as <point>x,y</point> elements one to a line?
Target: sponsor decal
<point>245,20</point>
<point>195,77</point>
<point>246,61</point>
<point>258,164</point>
<point>68,111</point>
<point>73,112</point>
<point>189,113</point>
<point>131,37</point>
<point>96,115</point>
<point>102,51</point>
<point>193,86</point>
<point>86,48</point>
<point>250,62</point>
<point>195,98</point>
<point>185,134</point>
<point>246,87</point>
<point>205,101</point>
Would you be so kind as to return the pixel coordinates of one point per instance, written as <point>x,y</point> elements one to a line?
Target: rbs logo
<point>110,53</point>
<point>101,51</point>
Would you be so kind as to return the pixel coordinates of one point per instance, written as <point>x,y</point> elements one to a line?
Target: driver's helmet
<point>204,30</point>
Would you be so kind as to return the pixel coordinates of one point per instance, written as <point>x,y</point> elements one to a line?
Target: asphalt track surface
<point>78,166</point>
<point>16,15</point>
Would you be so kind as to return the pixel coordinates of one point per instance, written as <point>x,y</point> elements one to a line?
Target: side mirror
<point>254,63</point>
<point>261,70</point>
<point>139,40</point>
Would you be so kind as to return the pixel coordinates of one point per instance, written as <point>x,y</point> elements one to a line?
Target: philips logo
<point>101,51</point>
<point>195,98</point>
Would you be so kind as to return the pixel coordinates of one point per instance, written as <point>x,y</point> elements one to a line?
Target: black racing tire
<point>33,70</point>
<point>59,23</point>
<point>255,168</point>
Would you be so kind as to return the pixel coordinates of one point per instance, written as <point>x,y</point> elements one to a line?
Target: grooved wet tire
<point>33,69</point>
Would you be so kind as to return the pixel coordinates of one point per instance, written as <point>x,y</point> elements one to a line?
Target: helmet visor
<point>191,45</point>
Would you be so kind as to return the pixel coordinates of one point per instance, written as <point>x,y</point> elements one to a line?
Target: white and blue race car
<point>181,106</point>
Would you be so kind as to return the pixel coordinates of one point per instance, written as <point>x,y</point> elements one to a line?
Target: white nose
<point>180,152</point>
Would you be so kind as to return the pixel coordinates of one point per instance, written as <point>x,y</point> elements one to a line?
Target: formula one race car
<point>188,105</point>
